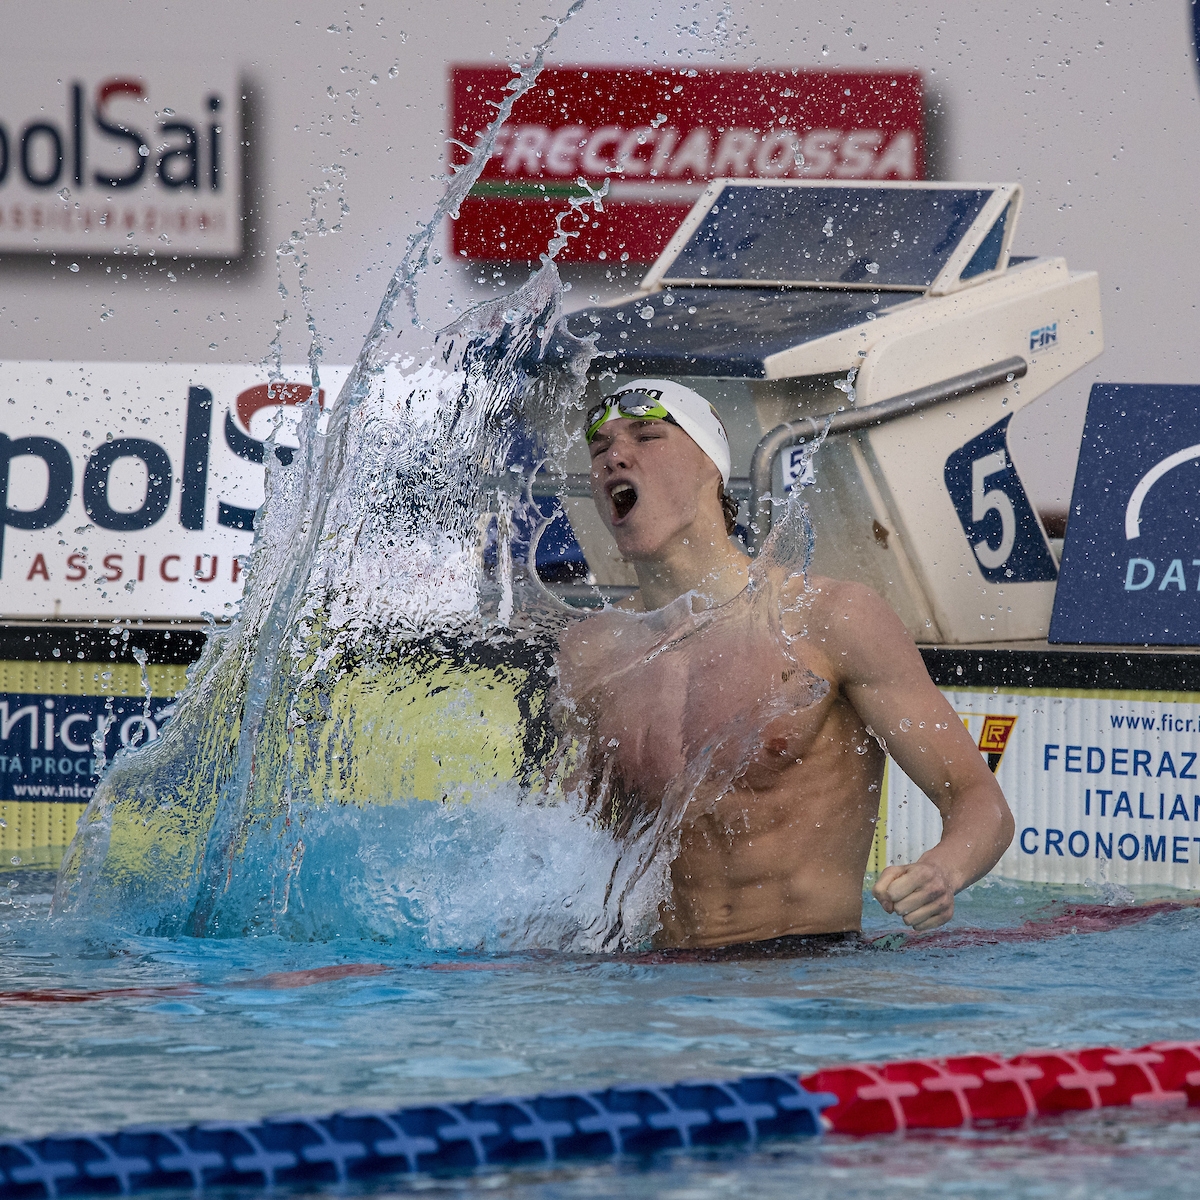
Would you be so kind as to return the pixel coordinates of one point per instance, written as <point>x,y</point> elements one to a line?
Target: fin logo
<point>1044,336</point>
<point>995,513</point>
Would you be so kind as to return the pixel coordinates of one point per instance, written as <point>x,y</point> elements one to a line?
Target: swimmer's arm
<point>883,676</point>
<point>571,719</point>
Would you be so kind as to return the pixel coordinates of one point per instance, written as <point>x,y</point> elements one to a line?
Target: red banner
<point>658,135</point>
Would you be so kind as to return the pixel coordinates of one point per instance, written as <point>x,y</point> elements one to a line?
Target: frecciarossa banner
<point>657,136</point>
<point>129,489</point>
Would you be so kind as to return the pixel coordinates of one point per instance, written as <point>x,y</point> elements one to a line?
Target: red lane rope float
<point>273,982</point>
<point>946,1093</point>
<point>1078,918</point>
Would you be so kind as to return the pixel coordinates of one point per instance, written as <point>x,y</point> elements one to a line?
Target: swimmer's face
<point>651,484</point>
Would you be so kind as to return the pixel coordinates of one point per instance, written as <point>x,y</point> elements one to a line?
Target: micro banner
<point>1130,573</point>
<point>657,136</point>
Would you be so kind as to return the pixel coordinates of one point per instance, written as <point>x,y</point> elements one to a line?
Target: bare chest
<point>704,705</point>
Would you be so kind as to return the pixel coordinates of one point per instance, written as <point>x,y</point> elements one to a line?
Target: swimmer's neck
<point>711,567</point>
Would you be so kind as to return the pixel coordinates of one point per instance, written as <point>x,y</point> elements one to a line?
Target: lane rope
<point>946,1093</point>
<point>358,1144</point>
<point>861,1099</point>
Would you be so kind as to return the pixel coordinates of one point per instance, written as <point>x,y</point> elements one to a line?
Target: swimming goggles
<point>640,406</point>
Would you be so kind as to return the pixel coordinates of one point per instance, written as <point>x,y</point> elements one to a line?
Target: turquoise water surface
<point>180,1030</point>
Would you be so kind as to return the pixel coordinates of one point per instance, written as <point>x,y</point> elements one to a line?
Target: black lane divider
<point>358,1144</point>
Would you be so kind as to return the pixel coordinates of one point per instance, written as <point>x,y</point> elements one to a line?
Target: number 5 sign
<point>996,515</point>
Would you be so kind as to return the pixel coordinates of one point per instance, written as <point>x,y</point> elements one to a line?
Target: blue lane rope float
<point>360,1143</point>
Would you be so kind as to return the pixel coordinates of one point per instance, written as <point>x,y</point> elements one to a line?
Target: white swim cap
<point>690,411</point>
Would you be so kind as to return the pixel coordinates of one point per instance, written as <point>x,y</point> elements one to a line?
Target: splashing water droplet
<point>390,589</point>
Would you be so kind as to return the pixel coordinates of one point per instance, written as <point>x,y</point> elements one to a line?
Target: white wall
<point>1094,110</point>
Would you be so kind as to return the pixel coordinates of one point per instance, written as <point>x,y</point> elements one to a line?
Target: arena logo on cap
<point>109,161</point>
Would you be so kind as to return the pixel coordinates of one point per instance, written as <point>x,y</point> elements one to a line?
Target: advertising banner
<point>1104,786</point>
<point>53,743</point>
<point>129,489</point>
<point>60,722</point>
<point>657,136</point>
<point>1131,560</point>
<point>121,157</point>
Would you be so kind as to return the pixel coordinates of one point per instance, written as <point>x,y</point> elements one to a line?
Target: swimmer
<point>760,706</point>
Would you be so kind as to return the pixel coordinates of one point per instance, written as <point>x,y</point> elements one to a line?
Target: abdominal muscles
<point>785,848</point>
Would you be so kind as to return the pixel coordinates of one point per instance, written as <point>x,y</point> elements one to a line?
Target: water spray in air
<point>377,746</point>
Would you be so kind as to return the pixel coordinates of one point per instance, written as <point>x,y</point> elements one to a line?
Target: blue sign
<point>1131,563</point>
<point>46,742</point>
<point>995,513</point>
<point>1196,28</point>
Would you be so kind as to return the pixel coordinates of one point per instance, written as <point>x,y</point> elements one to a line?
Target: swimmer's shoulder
<point>842,619</point>
<point>820,600</point>
<point>583,643</point>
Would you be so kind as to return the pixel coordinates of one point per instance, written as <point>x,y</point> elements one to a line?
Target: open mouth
<point>624,497</point>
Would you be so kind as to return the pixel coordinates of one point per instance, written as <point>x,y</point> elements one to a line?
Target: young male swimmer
<point>781,703</point>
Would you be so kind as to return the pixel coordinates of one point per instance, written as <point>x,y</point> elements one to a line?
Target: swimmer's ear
<point>729,507</point>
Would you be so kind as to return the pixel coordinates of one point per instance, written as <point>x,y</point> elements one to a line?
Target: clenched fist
<point>919,892</point>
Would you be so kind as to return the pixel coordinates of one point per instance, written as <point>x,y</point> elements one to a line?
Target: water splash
<point>370,629</point>
<point>379,745</point>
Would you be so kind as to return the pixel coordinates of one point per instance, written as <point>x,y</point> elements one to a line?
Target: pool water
<point>180,1030</point>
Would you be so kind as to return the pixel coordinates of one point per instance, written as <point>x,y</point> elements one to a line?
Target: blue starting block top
<point>806,235</point>
<point>757,269</point>
<point>723,331</point>
<point>359,1144</point>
